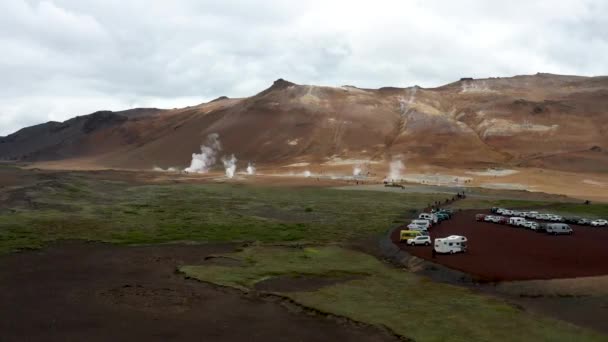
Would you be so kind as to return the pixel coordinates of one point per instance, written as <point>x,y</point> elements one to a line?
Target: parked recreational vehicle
<point>558,228</point>
<point>451,244</point>
<point>408,234</point>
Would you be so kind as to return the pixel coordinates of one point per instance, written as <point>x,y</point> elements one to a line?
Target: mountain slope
<point>523,120</point>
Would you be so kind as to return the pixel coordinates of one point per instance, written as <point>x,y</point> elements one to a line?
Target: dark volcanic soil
<point>96,292</point>
<point>501,252</point>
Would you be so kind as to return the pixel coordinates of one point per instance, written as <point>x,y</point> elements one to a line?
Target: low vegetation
<point>76,207</point>
<point>410,305</point>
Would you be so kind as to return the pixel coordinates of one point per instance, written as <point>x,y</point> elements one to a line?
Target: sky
<point>62,58</point>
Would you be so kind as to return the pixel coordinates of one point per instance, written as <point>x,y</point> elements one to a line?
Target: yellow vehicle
<point>408,234</point>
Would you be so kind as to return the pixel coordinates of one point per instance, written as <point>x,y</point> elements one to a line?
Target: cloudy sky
<point>61,58</point>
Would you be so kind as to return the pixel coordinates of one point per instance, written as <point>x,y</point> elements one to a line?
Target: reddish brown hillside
<point>523,120</point>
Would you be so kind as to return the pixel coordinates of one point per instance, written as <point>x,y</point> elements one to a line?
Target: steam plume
<point>250,169</point>
<point>229,165</point>
<point>395,169</point>
<point>357,171</point>
<point>202,162</point>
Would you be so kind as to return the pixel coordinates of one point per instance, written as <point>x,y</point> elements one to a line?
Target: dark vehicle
<point>584,222</point>
<point>448,211</point>
<point>572,219</point>
<point>494,210</point>
<point>503,220</point>
<point>441,216</point>
<point>542,227</point>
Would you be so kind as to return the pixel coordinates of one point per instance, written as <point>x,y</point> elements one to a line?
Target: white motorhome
<point>429,216</point>
<point>451,244</point>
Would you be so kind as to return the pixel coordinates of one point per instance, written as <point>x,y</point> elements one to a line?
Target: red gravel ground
<point>501,252</point>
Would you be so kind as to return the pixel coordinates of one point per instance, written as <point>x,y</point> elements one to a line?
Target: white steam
<point>251,169</point>
<point>307,174</point>
<point>229,165</point>
<point>202,162</point>
<point>170,169</point>
<point>395,169</point>
<point>357,171</point>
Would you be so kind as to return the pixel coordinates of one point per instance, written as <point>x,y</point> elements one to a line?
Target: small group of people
<point>437,204</point>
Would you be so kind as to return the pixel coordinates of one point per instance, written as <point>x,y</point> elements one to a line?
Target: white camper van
<point>451,244</point>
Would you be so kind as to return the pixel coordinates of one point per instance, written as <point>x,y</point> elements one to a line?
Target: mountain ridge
<point>470,122</point>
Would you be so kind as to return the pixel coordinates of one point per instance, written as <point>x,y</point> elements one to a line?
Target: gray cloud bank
<point>61,58</point>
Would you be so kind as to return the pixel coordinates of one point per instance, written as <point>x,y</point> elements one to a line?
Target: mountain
<point>542,120</point>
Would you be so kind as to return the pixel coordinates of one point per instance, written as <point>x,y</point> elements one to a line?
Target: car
<point>517,221</point>
<point>544,217</point>
<point>558,229</point>
<point>532,214</point>
<point>442,216</point>
<point>530,225</point>
<point>489,218</point>
<point>447,210</point>
<point>584,222</point>
<point>424,240</point>
<point>507,212</point>
<point>431,217</point>
<point>517,213</point>
<point>572,219</point>
<point>494,210</point>
<point>404,235</point>
<point>419,225</point>
<point>503,220</point>
<point>555,218</point>
<point>542,227</point>
<point>500,211</point>
<point>495,219</point>
<point>599,223</point>
<point>444,212</point>
<point>480,217</point>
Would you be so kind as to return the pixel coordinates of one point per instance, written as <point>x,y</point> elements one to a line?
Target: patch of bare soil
<point>96,292</point>
<point>300,283</point>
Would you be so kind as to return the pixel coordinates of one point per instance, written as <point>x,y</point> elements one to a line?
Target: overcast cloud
<point>61,58</point>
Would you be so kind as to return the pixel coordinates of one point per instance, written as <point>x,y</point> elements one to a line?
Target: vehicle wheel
<point>451,252</point>
<point>427,244</point>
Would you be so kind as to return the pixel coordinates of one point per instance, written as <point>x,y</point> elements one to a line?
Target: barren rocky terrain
<point>543,120</point>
